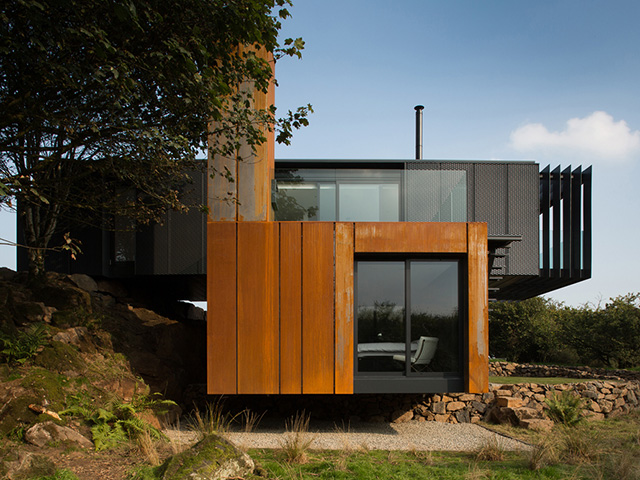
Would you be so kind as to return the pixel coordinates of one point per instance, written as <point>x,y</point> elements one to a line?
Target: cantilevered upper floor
<point>539,222</point>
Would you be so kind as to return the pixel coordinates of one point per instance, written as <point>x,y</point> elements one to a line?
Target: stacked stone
<point>452,408</point>
<point>510,369</point>
<point>522,404</point>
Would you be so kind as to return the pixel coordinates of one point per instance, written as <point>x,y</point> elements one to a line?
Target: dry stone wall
<point>508,369</point>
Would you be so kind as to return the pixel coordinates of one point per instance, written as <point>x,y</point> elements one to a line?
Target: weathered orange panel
<point>344,308</point>
<point>221,310</point>
<point>411,237</point>
<point>258,326</point>
<point>290,307</point>
<point>478,353</point>
<point>317,308</point>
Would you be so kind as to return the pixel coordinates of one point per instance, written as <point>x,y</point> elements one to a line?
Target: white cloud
<point>595,136</point>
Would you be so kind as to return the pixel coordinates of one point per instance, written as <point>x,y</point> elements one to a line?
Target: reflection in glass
<point>434,311</point>
<point>297,201</point>
<point>366,202</point>
<point>380,315</point>
<point>344,195</point>
<point>433,304</point>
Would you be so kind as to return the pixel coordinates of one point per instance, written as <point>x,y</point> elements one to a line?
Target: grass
<point>379,464</point>
<point>539,380</point>
<point>600,450</point>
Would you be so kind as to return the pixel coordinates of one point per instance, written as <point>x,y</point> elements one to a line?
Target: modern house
<point>357,276</point>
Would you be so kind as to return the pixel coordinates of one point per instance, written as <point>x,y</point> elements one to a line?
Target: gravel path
<point>373,436</point>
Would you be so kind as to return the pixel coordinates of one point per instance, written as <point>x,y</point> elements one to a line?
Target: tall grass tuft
<point>147,445</point>
<point>250,420</point>
<point>579,446</point>
<point>214,420</point>
<point>491,449</point>
<point>543,454</point>
<point>297,440</point>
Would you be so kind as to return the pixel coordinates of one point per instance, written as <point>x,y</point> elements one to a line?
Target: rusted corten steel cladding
<point>281,300</point>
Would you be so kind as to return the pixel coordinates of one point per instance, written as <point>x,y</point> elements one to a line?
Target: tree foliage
<point>539,330</point>
<point>103,97</point>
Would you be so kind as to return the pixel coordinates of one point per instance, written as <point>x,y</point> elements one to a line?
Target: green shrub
<point>565,408</point>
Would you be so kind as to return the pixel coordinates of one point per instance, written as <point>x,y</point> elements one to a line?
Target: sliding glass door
<point>408,316</point>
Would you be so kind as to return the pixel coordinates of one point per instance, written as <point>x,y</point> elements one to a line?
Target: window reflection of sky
<point>380,282</point>
<point>434,287</point>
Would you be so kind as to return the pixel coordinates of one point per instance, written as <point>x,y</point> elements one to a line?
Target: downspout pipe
<point>419,109</point>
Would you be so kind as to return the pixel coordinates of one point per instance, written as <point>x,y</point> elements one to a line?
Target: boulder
<point>84,282</point>
<point>64,296</point>
<point>78,336</point>
<point>213,458</point>
<point>43,433</point>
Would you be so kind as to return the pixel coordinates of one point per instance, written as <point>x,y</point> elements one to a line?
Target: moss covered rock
<point>213,458</point>
<point>25,465</point>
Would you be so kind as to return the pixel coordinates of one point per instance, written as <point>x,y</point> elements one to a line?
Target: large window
<point>367,195</point>
<point>408,317</point>
<point>371,194</point>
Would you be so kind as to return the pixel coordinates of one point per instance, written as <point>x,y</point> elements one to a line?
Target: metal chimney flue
<point>419,109</point>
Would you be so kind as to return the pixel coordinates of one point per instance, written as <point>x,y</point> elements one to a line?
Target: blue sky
<point>557,82</point>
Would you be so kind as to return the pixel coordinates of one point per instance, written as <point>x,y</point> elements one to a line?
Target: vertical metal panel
<point>556,184</point>
<point>221,311</point>
<point>186,233</point>
<point>290,307</point>
<point>344,341</point>
<point>587,222</point>
<point>428,188</point>
<point>478,326</point>
<point>576,222</point>
<point>566,221</point>
<point>545,210</point>
<point>317,307</point>
<point>491,197</point>
<point>258,325</point>
<point>523,218</point>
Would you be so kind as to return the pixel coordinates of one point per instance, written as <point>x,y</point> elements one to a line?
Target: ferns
<point>17,348</point>
<point>120,422</point>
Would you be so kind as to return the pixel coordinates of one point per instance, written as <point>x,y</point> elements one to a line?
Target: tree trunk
<point>36,264</point>
<point>39,225</point>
